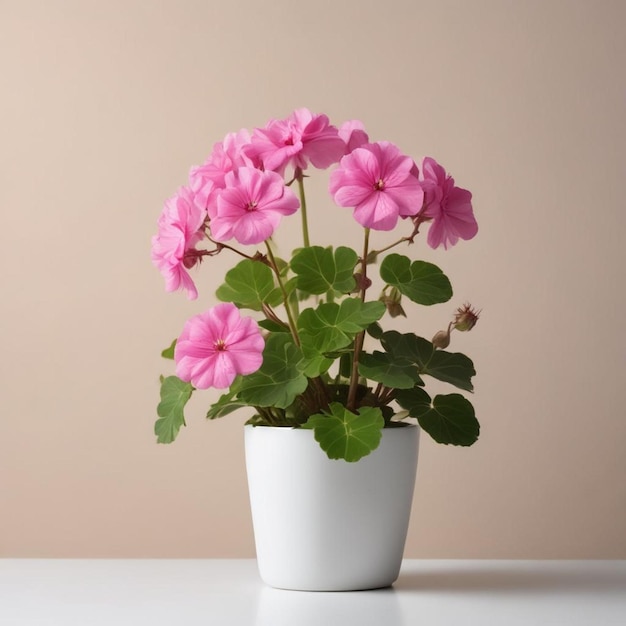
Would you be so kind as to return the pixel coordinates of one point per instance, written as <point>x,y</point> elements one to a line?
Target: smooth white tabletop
<point>229,592</point>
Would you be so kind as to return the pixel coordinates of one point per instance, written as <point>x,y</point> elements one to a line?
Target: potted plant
<point>337,401</point>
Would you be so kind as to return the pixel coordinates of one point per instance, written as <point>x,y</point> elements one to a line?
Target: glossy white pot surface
<point>329,525</point>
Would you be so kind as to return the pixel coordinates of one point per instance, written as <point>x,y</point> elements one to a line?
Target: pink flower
<point>208,179</point>
<point>300,138</point>
<point>173,247</point>
<point>353,134</point>
<point>251,206</point>
<point>216,346</point>
<point>380,183</point>
<point>449,207</point>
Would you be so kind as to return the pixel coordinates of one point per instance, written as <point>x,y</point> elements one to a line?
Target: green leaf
<point>174,396</point>
<point>448,419</point>
<point>419,281</point>
<point>332,326</point>
<point>382,368</point>
<point>345,365</point>
<point>250,284</point>
<point>168,353</point>
<point>319,270</point>
<point>227,402</point>
<point>450,367</point>
<point>315,364</point>
<point>375,330</point>
<point>346,435</point>
<point>280,378</point>
<point>407,348</point>
<point>273,327</point>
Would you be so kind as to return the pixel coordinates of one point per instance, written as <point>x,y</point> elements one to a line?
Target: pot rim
<point>385,429</point>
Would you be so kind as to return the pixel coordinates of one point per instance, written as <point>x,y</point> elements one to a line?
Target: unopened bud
<point>465,318</point>
<point>395,309</point>
<point>191,258</point>
<point>392,301</point>
<point>441,339</point>
<point>371,257</point>
<point>362,282</point>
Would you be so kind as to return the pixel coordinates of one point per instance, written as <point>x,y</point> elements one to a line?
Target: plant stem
<point>387,395</point>
<point>391,245</point>
<point>417,221</point>
<point>378,390</point>
<point>221,246</point>
<point>292,324</point>
<point>358,340</point>
<point>305,224</point>
<point>265,414</point>
<point>366,243</point>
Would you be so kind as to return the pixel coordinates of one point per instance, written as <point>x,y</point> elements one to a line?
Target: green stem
<point>305,223</point>
<point>358,341</point>
<point>391,245</point>
<point>366,243</point>
<point>292,324</point>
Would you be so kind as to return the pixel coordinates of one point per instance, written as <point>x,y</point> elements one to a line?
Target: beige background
<point>106,105</point>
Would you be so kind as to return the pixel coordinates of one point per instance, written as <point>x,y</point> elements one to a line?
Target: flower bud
<point>372,257</point>
<point>392,302</point>
<point>362,282</point>
<point>191,257</point>
<point>395,309</point>
<point>441,339</point>
<point>465,318</point>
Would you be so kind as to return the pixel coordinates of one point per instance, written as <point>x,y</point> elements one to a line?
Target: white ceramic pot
<point>329,525</point>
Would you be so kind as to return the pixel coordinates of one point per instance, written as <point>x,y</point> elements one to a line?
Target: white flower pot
<point>329,525</point>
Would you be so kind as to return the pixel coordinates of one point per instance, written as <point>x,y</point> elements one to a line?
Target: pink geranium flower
<point>353,135</point>
<point>380,183</point>
<point>301,138</point>
<point>449,207</point>
<point>180,228</point>
<point>251,206</point>
<point>208,179</point>
<point>216,346</point>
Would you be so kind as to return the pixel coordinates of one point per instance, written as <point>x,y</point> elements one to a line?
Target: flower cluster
<point>238,197</point>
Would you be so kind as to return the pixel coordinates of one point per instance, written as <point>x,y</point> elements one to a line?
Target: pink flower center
<point>220,345</point>
<point>252,205</point>
<point>379,185</point>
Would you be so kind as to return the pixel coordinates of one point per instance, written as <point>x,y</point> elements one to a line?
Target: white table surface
<point>229,592</point>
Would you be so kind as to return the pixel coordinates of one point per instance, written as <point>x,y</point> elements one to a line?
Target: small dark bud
<point>191,258</point>
<point>362,282</point>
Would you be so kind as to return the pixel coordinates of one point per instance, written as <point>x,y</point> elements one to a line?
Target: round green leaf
<point>174,396</point>
<point>280,378</point>
<point>346,435</point>
<point>320,269</point>
<point>332,326</point>
<point>250,284</point>
<point>383,368</point>
<point>450,367</point>
<point>448,419</point>
<point>419,281</point>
